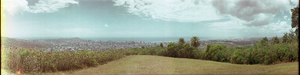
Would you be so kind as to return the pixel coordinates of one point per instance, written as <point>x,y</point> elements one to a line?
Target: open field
<point>148,64</point>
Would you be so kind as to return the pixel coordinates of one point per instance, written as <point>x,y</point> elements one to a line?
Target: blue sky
<point>146,18</point>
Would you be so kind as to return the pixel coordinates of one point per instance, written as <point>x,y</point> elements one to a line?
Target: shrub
<point>180,50</point>
<point>285,38</point>
<point>161,45</point>
<point>181,40</point>
<point>211,52</point>
<point>198,54</point>
<point>30,60</point>
<point>265,38</point>
<point>143,47</point>
<point>275,40</point>
<point>223,55</point>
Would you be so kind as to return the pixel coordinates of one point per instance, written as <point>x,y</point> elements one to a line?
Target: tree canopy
<point>195,41</point>
<point>295,18</point>
<point>181,40</point>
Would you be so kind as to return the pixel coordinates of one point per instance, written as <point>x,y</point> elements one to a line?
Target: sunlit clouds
<point>43,6</point>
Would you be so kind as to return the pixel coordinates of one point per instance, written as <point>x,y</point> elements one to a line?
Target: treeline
<point>263,52</point>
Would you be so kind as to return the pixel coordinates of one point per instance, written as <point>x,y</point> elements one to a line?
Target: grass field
<point>148,64</point>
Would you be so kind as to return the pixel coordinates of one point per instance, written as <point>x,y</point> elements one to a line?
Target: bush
<point>275,40</point>
<point>181,40</point>
<point>285,38</point>
<point>265,38</point>
<point>30,60</point>
<point>223,55</point>
<point>161,45</point>
<point>198,54</point>
<point>213,50</point>
<point>180,50</point>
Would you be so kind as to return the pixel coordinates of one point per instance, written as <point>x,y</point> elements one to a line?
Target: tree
<point>161,45</point>
<point>295,18</point>
<point>275,40</point>
<point>181,40</point>
<point>265,38</point>
<point>195,41</point>
<point>285,38</point>
<point>143,47</point>
<point>264,41</point>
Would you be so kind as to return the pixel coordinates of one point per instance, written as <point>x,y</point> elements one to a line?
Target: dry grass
<point>147,64</point>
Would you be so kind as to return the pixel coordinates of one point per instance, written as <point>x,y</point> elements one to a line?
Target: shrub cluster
<point>182,50</point>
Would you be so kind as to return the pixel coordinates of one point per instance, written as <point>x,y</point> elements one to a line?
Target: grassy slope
<point>147,64</point>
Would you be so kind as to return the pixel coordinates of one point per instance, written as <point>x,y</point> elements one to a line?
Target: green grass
<point>149,64</point>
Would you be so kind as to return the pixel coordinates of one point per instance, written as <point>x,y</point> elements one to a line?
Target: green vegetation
<point>35,61</point>
<point>195,41</point>
<point>181,40</point>
<point>295,19</point>
<point>275,40</point>
<point>161,45</point>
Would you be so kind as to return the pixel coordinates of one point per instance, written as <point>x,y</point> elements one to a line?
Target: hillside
<point>21,43</point>
<point>147,64</point>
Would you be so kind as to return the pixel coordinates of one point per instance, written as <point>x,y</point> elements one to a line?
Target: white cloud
<point>47,6</point>
<point>285,17</point>
<point>171,10</point>
<point>14,6</point>
<point>254,12</point>
<point>296,2</point>
<point>230,28</point>
<point>50,5</point>
<point>106,25</point>
<point>280,27</point>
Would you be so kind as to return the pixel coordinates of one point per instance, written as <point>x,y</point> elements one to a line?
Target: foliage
<point>181,40</point>
<point>265,38</point>
<point>213,50</point>
<point>180,50</point>
<point>30,60</point>
<point>195,41</point>
<point>143,47</point>
<point>275,40</point>
<point>161,45</point>
<point>285,38</point>
<point>223,55</point>
<point>295,18</point>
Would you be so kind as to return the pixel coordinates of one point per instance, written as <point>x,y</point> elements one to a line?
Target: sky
<point>146,18</point>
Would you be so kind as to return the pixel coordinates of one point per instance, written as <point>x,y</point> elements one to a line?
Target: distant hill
<point>21,43</point>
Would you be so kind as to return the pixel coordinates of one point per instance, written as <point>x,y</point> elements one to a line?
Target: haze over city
<point>146,18</point>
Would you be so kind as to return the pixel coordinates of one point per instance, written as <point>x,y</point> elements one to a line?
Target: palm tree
<point>161,45</point>
<point>195,41</point>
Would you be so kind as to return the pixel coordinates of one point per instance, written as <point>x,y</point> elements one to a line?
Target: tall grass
<point>41,61</point>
